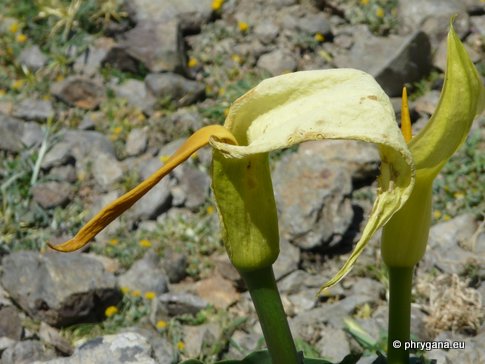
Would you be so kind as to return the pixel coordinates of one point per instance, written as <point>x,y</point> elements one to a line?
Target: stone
<point>52,194</point>
<point>287,260</point>
<point>11,131</point>
<point>59,289</point>
<point>65,173</point>
<point>135,93</point>
<point>163,351</point>
<point>79,91</point>
<point>81,147</point>
<point>119,57</point>
<point>26,352</point>
<point>107,170</point>
<point>136,142</point>
<point>360,159</point>
<point>178,125</point>
<point>217,291</point>
<point>199,339</point>
<point>313,200</point>
<point>90,61</point>
<point>191,13</point>
<point>242,342</point>
<point>34,110</point>
<point>449,248</point>
<point>277,62</point>
<point>225,268</point>
<point>181,303</point>
<point>4,298</point>
<point>313,23</point>
<point>32,135</point>
<point>157,200</point>
<point>396,60</point>
<point>32,58</point>
<point>174,265</point>
<point>333,345</point>
<point>51,336</point>
<point>170,86</point>
<point>136,278</point>
<point>195,186</point>
<point>427,103</point>
<point>122,348</point>
<point>167,56</point>
<point>266,32</point>
<point>10,325</point>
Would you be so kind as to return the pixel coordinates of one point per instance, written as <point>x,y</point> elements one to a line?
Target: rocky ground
<point>95,95</point>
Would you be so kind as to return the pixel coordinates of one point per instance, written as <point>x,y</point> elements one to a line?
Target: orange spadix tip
<point>405,118</point>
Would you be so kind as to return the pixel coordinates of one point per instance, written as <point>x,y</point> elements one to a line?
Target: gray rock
<point>5,343</point>
<point>32,135</point>
<point>51,336</point>
<point>178,125</point>
<point>360,159</point>
<point>334,345</point>
<point>195,186</point>
<point>106,170</point>
<point>32,58</point>
<point>395,60</point>
<point>136,278</point>
<point>266,32</point>
<point>298,280</point>
<point>313,23</point>
<point>168,55</point>
<point>449,246</point>
<point>4,298</point>
<point>10,325</point>
<point>287,261</point>
<point>26,352</point>
<point>242,342</point>
<point>63,174</point>
<point>136,142</point>
<point>478,24</point>
<point>123,348</point>
<point>315,210</point>
<point>33,109</point>
<point>52,194</point>
<point>11,131</point>
<point>135,93</point>
<point>181,303</point>
<point>414,13</point>
<point>187,11</point>
<point>59,289</point>
<point>78,91</point>
<point>474,351</point>
<point>427,103</point>
<point>80,146</point>
<point>200,339</point>
<point>91,60</point>
<point>157,200</point>
<point>277,62</point>
<point>175,265</point>
<point>163,351</point>
<point>301,302</point>
<point>170,86</point>
<point>119,57</point>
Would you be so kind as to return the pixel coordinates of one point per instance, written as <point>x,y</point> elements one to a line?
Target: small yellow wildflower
<point>59,78</point>
<point>447,217</point>
<point>117,130</point>
<point>243,26</point>
<point>21,38</point>
<point>364,2</point>
<point>221,91</point>
<point>161,324</point>
<point>17,84</point>
<point>319,37</point>
<point>2,92</point>
<point>459,195</point>
<point>180,345</point>
<point>136,293</point>
<point>236,58</point>
<point>125,290</point>
<point>192,62</point>
<point>14,27</point>
<point>164,158</point>
<point>437,214</point>
<point>144,243</point>
<point>210,210</point>
<point>110,311</point>
<point>150,295</point>
<point>380,12</point>
<point>113,242</point>
<point>217,4</point>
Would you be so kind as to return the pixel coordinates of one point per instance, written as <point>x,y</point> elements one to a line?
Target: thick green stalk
<point>267,301</point>
<point>400,284</point>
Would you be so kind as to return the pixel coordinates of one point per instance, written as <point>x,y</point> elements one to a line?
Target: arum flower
<point>278,113</point>
<point>405,236</point>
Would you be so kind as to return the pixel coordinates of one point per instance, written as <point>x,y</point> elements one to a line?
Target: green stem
<point>400,284</point>
<point>267,301</point>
